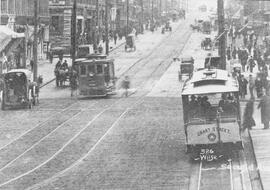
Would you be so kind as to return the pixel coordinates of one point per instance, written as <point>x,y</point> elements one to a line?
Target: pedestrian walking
<point>239,53</point>
<point>251,64</point>
<point>32,65</point>
<point>244,59</point>
<point>126,86</point>
<point>234,52</point>
<point>248,120</point>
<point>243,86</point>
<point>259,86</point>
<point>251,86</point>
<point>50,56</point>
<point>228,53</point>
<point>264,105</point>
<point>115,38</point>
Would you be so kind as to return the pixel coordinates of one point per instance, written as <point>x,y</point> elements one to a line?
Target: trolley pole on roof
<point>107,26</point>
<point>221,30</point>
<point>35,69</point>
<point>73,32</point>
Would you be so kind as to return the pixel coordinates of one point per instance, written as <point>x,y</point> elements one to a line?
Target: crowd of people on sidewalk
<point>252,56</point>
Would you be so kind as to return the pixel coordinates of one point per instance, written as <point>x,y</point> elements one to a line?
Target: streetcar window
<point>83,70</point>
<point>91,69</point>
<point>99,69</point>
<point>204,108</point>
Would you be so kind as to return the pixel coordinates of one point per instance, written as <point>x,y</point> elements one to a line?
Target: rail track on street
<point>236,171</point>
<point>55,146</point>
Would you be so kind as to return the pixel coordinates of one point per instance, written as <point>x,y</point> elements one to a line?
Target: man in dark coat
<point>228,53</point>
<point>243,86</point>
<point>264,105</point>
<point>251,64</point>
<point>259,86</point>
<point>234,52</point>
<point>248,121</point>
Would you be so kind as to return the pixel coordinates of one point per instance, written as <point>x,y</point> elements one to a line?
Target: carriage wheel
<point>3,106</point>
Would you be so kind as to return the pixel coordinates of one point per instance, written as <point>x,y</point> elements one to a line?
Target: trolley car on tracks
<point>96,76</point>
<point>211,110</point>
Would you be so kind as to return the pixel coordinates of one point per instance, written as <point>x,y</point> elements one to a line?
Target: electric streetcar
<point>96,76</point>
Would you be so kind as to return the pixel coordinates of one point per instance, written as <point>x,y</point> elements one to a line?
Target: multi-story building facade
<point>18,15</point>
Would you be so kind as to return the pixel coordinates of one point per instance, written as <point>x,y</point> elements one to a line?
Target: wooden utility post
<point>35,44</point>
<point>127,17</point>
<point>222,34</point>
<point>142,15</point>
<point>73,32</point>
<point>107,26</point>
<point>96,30</point>
<point>152,12</point>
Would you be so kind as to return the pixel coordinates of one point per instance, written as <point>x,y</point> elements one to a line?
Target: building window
<point>83,70</point>
<point>4,6</point>
<point>55,26</point>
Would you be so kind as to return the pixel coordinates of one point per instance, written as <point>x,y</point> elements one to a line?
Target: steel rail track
<point>114,124</point>
<point>167,58</point>
<point>59,151</point>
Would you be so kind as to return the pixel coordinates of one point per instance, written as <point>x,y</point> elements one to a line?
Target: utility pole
<point>160,8</point>
<point>96,30</point>
<point>35,44</point>
<point>152,11</point>
<point>221,33</point>
<point>107,26</point>
<point>127,17</point>
<point>142,15</point>
<point>73,32</point>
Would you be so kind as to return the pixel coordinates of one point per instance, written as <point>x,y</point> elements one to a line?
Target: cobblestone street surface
<point>136,142</point>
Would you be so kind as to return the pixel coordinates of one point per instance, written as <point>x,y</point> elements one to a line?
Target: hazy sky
<point>194,4</point>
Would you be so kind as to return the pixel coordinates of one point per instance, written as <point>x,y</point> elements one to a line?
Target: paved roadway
<point>114,143</point>
<point>111,143</point>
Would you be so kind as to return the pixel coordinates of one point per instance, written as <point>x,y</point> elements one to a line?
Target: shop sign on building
<point>57,2</point>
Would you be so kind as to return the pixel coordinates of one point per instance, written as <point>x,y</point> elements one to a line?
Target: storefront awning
<point>6,35</point>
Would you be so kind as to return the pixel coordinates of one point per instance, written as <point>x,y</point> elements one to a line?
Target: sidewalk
<point>260,140</point>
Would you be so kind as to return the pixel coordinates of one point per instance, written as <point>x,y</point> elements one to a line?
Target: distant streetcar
<point>96,76</point>
<point>211,110</point>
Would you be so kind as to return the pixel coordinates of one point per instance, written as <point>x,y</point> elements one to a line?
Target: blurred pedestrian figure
<point>259,86</point>
<point>234,52</point>
<point>100,49</point>
<point>248,120</point>
<point>251,86</point>
<point>50,56</point>
<point>126,86</point>
<point>228,53</point>
<point>244,59</point>
<point>264,105</point>
<point>243,86</point>
<point>58,64</point>
<point>115,38</point>
<point>239,54</point>
<point>64,66</point>
<point>32,64</point>
<point>251,64</point>
<point>255,54</point>
<point>61,55</point>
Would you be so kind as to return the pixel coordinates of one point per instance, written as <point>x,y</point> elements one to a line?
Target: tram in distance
<point>96,76</point>
<point>211,110</point>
